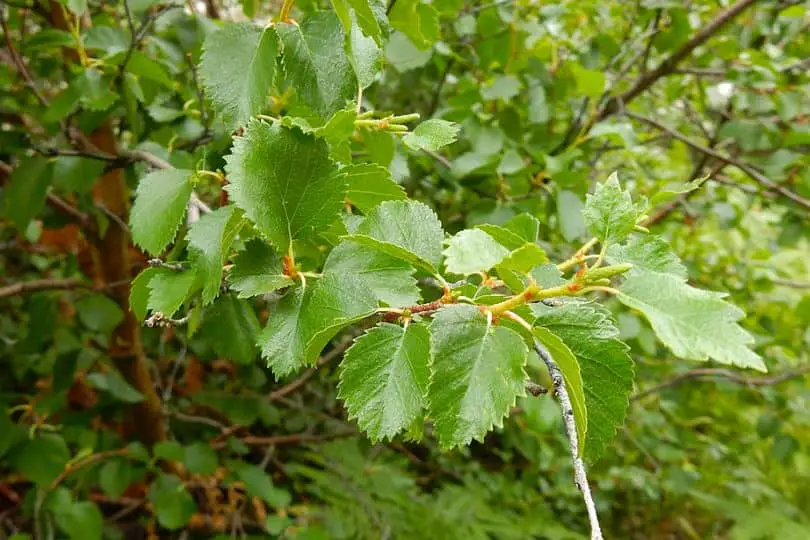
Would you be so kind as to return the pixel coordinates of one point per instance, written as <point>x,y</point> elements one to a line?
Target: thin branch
<point>580,477</point>
<point>67,209</point>
<point>19,63</point>
<point>729,160</point>
<point>671,62</point>
<point>295,438</point>
<point>648,48</point>
<point>790,283</point>
<point>43,285</point>
<point>701,72</point>
<point>717,373</point>
<point>307,375</point>
<point>438,157</point>
<point>137,36</point>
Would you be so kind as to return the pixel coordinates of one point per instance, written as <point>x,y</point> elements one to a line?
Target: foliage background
<point>544,96</point>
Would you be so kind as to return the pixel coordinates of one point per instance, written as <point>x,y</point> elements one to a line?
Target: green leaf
<point>570,215</point>
<point>111,381</point>
<point>72,173</point>
<point>114,477</point>
<point>173,505</point>
<point>694,324</point>
<point>524,258</point>
<point>42,459</point>
<point>93,90</point>
<point>283,180</point>
<point>609,213</point>
<point>420,22</point>
<point>431,135</point>
<point>231,327</point>
<point>671,192</point>
<point>365,54</point>
<point>257,270</point>
<point>305,320</point>
<point>99,312</point>
<point>24,196</point>
<point>316,64</point>
<point>538,104</point>
<point>237,68</point>
<point>504,87</point>
<point>390,279</point>
<point>366,19</point>
<point>472,251</point>
<point>400,53</point>
<point>504,236</point>
<point>572,377</point>
<point>200,458</point>
<point>169,451</point>
<point>384,377</point>
<point>476,374</point>
<point>169,289</point>
<point>77,7</point>
<point>258,484</point>
<point>369,185</point>
<point>589,82</point>
<point>160,204</point>
<point>139,293</point>
<point>80,521</point>
<point>238,408</point>
<point>647,252</point>
<point>406,230</point>
<point>209,240</point>
<point>605,367</point>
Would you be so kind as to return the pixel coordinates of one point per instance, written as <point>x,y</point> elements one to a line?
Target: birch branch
<point>580,477</point>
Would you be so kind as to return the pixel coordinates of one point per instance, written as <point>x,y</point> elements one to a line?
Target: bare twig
<point>749,170</point>
<point>580,477</point>
<point>671,62</point>
<point>715,373</point>
<point>19,63</point>
<point>43,285</point>
<point>790,283</point>
<point>307,375</point>
<point>296,438</point>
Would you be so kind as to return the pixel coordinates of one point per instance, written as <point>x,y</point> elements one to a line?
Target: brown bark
<point>111,265</point>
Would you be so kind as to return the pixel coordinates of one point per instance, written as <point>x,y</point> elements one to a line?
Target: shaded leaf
<point>305,320</point>
<point>407,230</point>
<point>605,367</point>
<point>231,327</point>
<point>237,68</point>
<point>390,279</point>
<point>209,241</point>
<point>257,270</point>
<point>316,63</point>
<point>368,185</point>
<point>160,204</point>
<point>573,379</point>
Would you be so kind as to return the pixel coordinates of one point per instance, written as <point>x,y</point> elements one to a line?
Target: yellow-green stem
<point>573,261</point>
<point>286,7</point>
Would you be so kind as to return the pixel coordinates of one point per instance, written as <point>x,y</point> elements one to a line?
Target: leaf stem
<point>286,7</point>
<point>578,256</point>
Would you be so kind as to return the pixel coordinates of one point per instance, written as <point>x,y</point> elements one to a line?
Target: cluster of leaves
<point>435,253</point>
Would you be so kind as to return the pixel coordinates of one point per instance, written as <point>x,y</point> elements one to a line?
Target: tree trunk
<point>111,266</point>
